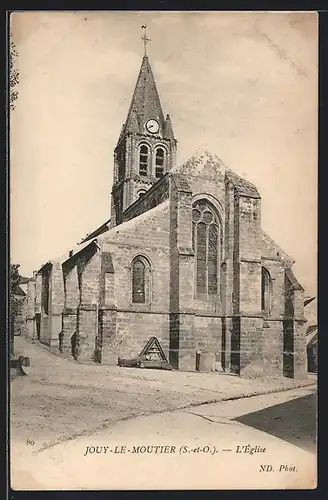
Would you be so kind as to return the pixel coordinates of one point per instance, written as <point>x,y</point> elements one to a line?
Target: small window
<point>141,194</point>
<point>143,160</point>
<point>159,162</point>
<point>266,291</point>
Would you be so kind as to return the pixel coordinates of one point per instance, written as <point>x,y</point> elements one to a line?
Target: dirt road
<point>61,399</point>
<point>201,447</point>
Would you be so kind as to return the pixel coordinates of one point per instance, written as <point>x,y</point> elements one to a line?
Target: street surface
<point>61,399</point>
<point>246,443</point>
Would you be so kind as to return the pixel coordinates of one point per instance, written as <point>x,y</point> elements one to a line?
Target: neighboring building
<point>183,258</point>
<point>312,348</point>
<point>310,304</point>
<point>20,319</point>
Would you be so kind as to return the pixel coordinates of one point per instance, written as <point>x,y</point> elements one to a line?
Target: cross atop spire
<point>144,38</point>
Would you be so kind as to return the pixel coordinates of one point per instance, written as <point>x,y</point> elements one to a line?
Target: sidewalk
<point>61,399</point>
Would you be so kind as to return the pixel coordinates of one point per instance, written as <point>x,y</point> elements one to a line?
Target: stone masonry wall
<point>251,344</point>
<point>153,197</point>
<point>127,326</point>
<point>87,317</point>
<point>249,258</point>
<point>182,340</point>
<point>147,237</point>
<point>56,306</point>
<point>247,331</point>
<point>208,334</point>
<point>277,274</point>
<point>135,328</point>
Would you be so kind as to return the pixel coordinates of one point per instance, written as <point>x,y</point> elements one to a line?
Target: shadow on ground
<point>294,421</point>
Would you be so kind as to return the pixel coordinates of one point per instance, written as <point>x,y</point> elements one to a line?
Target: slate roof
<point>132,223</point>
<point>312,338</point>
<point>97,232</point>
<point>311,329</point>
<point>145,101</point>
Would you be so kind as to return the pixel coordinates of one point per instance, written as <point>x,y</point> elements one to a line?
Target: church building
<point>182,257</point>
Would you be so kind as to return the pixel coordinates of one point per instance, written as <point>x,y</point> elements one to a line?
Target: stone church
<point>183,258</point>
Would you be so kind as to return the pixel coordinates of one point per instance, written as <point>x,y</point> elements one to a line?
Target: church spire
<point>146,149</point>
<point>145,102</point>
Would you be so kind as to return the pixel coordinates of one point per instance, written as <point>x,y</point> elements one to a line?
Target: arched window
<point>159,162</point>
<point>206,245</point>
<point>140,280</point>
<point>143,160</point>
<point>266,291</point>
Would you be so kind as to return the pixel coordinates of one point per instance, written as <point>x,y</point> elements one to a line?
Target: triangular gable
<point>202,163</point>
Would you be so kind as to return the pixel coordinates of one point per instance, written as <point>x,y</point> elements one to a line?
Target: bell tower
<point>146,148</point>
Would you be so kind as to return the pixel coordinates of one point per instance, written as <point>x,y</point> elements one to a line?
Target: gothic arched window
<point>159,162</point>
<point>266,291</point>
<point>206,245</point>
<point>143,160</point>
<point>140,280</point>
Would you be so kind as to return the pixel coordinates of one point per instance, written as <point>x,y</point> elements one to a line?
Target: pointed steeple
<point>168,129</point>
<point>146,149</point>
<point>145,101</point>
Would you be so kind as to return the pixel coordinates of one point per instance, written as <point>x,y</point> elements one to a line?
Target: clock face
<point>152,126</point>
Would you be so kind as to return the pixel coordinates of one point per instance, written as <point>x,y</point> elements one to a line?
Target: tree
<point>15,303</point>
<point>13,74</point>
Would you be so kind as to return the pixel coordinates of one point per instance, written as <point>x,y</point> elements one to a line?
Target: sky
<point>241,85</point>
